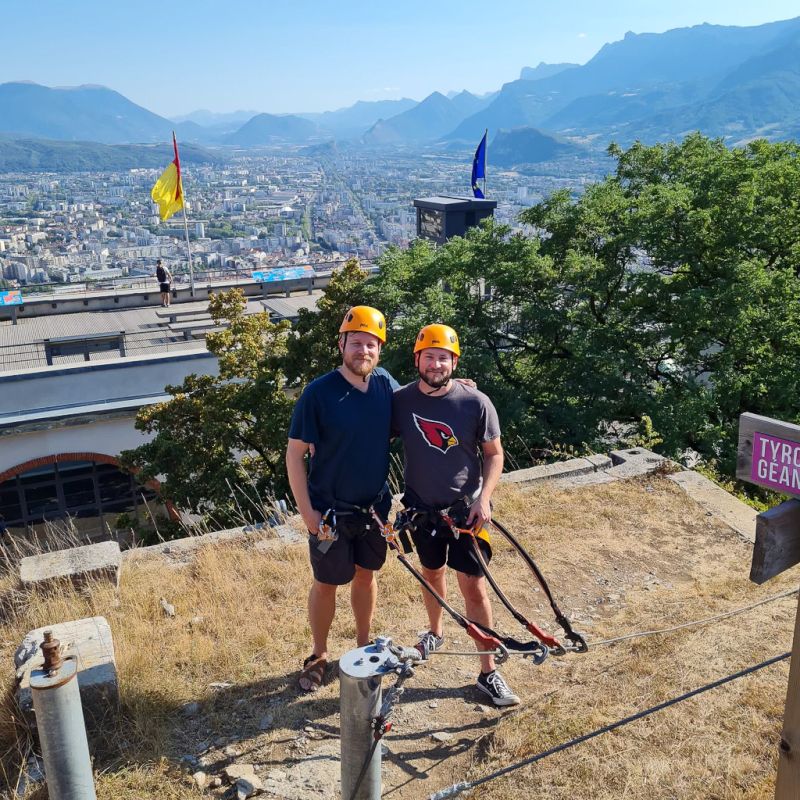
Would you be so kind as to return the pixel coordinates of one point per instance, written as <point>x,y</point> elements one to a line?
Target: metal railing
<point>31,355</point>
<point>148,282</point>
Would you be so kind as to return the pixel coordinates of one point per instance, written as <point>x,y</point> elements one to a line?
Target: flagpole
<point>485,160</point>
<point>186,227</point>
<point>188,249</point>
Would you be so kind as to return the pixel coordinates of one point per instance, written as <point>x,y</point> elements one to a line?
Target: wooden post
<point>788,783</point>
<point>769,455</point>
<point>777,546</point>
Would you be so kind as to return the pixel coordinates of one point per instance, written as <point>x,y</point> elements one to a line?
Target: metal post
<point>360,673</point>
<point>59,719</point>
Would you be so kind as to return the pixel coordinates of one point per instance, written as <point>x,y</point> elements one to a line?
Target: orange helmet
<point>365,319</point>
<point>438,335</point>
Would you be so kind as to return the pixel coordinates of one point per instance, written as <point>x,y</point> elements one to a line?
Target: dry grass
<point>621,557</point>
<point>720,745</point>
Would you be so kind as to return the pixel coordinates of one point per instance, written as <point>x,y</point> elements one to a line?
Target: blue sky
<point>279,56</point>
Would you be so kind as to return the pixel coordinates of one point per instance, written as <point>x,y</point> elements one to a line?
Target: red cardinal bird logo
<point>436,434</point>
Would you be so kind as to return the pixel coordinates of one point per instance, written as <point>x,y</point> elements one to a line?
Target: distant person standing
<point>164,278</point>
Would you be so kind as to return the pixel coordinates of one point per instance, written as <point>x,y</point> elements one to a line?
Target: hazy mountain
<point>542,70</point>
<point>354,120</point>
<point>37,155</point>
<point>761,96</point>
<point>529,146</point>
<point>633,78</point>
<point>325,149</point>
<point>82,113</point>
<point>209,119</point>
<point>192,132</point>
<point>736,82</point>
<point>426,121</point>
<point>271,128</point>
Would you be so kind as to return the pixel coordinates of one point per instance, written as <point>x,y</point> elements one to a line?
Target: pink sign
<point>776,463</point>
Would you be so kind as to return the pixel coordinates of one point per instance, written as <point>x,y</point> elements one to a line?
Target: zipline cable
<point>705,621</point>
<point>658,631</point>
<point>463,786</point>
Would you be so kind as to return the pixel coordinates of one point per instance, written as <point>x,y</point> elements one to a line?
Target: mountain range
<point>734,82</point>
<point>726,81</point>
<point>40,155</point>
<point>427,121</point>
<point>530,146</point>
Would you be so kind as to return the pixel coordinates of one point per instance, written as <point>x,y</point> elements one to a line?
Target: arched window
<point>88,496</point>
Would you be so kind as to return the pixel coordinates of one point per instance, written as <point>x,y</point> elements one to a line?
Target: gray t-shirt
<point>441,439</point>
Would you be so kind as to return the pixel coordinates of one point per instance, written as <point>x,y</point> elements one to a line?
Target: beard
<point>435,380</point>
<point>359,365</point>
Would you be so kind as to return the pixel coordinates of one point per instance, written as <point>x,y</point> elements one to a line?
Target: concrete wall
<point>100,381</point>
<point>63,303</point>
<point>86,407</point>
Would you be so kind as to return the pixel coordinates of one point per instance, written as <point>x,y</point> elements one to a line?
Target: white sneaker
<point>495,686</point>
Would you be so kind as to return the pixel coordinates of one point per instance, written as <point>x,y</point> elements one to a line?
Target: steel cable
<point>682,626</point>
<point>458,788</point>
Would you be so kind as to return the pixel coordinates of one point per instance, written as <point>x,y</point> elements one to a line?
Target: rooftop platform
<point>103,334</point>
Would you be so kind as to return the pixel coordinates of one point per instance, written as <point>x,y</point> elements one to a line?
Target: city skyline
<point>175,58</point>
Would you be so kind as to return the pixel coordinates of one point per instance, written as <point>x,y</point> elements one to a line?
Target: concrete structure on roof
<point>444,216</point>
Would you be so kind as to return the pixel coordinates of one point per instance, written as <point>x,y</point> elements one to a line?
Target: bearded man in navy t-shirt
<point>342,423</point>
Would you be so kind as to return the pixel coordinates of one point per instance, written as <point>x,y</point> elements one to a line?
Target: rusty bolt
<point>51,649</point>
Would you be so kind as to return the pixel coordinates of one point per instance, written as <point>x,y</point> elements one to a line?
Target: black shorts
<point>163,288</point>
<point>436,546</point>
<point>360,543</point>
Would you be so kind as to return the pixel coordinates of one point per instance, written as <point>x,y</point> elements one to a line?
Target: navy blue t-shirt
<point>350,433</point>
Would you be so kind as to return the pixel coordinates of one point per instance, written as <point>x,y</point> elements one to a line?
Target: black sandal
<point>313,674</point>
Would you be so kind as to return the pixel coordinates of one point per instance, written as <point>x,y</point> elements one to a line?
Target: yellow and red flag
<point>168,189</point>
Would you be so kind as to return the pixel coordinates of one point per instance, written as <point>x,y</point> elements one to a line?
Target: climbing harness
<point>485,637</point>
<point>328,533</point>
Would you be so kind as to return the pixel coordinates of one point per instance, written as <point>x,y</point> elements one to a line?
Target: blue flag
<point>479,166</point>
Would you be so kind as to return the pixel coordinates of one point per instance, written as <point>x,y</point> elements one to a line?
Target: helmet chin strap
<point>434,389</point>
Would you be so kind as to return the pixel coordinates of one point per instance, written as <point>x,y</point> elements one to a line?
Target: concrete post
<point>59,719</point>
<point>360,674</point>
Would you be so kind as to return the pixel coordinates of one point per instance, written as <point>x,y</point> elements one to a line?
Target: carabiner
<point>578,643</point>
<point>327,529</point>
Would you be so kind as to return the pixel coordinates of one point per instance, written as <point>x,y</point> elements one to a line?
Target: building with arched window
<point>85,493</point>
<point>68,411</point>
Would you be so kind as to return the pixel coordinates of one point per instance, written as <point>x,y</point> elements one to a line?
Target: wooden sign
<point>777,545</point>
<point>769,453</point>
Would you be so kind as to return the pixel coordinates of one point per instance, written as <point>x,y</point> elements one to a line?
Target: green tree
<point>664,299</point>
<point>218,443</point>
<point>654,309</point>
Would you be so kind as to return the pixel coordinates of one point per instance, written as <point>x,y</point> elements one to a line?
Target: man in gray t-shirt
<point>453,460</point>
